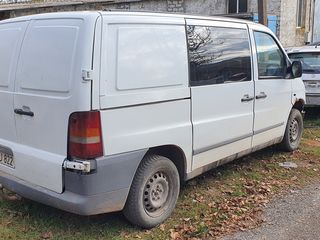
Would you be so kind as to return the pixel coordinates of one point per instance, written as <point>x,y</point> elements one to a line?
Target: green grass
<point>214,203</point>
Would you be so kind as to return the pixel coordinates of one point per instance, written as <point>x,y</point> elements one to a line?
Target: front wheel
<point>154,192</point>
<point>293,133</point>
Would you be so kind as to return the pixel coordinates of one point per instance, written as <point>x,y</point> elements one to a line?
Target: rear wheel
<point>294,129</point>
<point>154,192</point>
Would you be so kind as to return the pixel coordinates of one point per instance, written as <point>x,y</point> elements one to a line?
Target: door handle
<point>22,112</point>
<point>261,95</point>
<point>247,98</point>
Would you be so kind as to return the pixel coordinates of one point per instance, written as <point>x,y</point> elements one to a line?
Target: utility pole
<point>262,12</point>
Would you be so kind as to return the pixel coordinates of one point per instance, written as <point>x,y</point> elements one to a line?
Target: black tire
<point>293,133</point>
<point>154,192</point>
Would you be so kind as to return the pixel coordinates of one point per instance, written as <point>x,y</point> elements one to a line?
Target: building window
<point>218,55</point>
<point>237,6</point>
<point>301,13</point>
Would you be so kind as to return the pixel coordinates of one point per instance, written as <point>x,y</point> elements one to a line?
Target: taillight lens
<point>85,140</point>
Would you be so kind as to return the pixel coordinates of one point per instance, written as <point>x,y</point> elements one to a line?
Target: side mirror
<point>296,69</point>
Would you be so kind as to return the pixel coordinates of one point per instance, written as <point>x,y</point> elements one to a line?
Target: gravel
<point>294,216</point>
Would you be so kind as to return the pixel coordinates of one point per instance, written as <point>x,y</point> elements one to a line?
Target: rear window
<point>310,61</point>
<point>48,55</point>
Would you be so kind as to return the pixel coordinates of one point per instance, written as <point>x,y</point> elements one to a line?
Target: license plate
<point>7,159</point>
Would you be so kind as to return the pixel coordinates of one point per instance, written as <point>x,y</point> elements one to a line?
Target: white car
<point>310,57</point>
<point>110,111</point>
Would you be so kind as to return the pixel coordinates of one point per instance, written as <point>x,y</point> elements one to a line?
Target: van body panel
<point>271,112</point>
<point>11,35</point>
<point>49,76</point>
<point>144,94</point>
<point>96,64</point>
<point>217,153</point>
<point>222,121</point>
<point>117,170</point>
<point>157,73</point>
<point>136,70</point>
<point>298,91</point>
<point>67,201</point>
<point>146,126</point>
<point>275,108</point>
<point>216,128</point>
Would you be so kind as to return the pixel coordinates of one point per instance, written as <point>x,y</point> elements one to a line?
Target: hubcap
<point>156,192</point>
<point>294,130</point>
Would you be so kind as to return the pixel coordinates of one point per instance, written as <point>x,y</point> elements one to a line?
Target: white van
<point>310,57</point>
<point>109,111</point>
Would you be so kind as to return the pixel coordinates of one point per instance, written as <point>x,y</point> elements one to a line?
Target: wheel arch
<point>175,154</point>
<point>299,105</point>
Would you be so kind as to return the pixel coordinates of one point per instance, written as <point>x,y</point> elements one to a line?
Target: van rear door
<point>11,35</point>
<point>49,87</point>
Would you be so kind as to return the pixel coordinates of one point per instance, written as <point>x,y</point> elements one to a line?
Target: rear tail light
<point>84,139</point>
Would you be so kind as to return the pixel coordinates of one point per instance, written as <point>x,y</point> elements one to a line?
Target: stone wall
<point>175,5</point>
<point>205,7</point>
<point>273,6</point>
<point>202,7</point>
<point>290,35</point>
<point>285,10</point>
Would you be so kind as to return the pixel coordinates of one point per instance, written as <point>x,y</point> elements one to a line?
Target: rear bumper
<point>104,191</point>
<point>313,100</point>
<point>67,201</point>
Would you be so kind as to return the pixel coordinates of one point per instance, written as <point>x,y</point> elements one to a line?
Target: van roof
<point>126,13</point>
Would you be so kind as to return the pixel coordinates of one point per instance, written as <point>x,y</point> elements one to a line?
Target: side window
<point>271,60</point>
<point>218,55</point>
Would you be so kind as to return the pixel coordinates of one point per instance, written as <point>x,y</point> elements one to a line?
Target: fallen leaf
<point>174,235</point>
<point>162,227</point>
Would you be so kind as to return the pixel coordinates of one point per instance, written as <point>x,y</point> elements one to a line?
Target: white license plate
<point>7,159</point>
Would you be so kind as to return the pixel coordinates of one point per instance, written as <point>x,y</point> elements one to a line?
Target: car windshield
<point>310,61</point>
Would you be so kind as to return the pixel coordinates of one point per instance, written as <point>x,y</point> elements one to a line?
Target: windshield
<point>310,61</point>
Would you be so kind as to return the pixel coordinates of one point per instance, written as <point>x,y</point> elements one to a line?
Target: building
<point>316,21</point>
<point>291,20</point>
